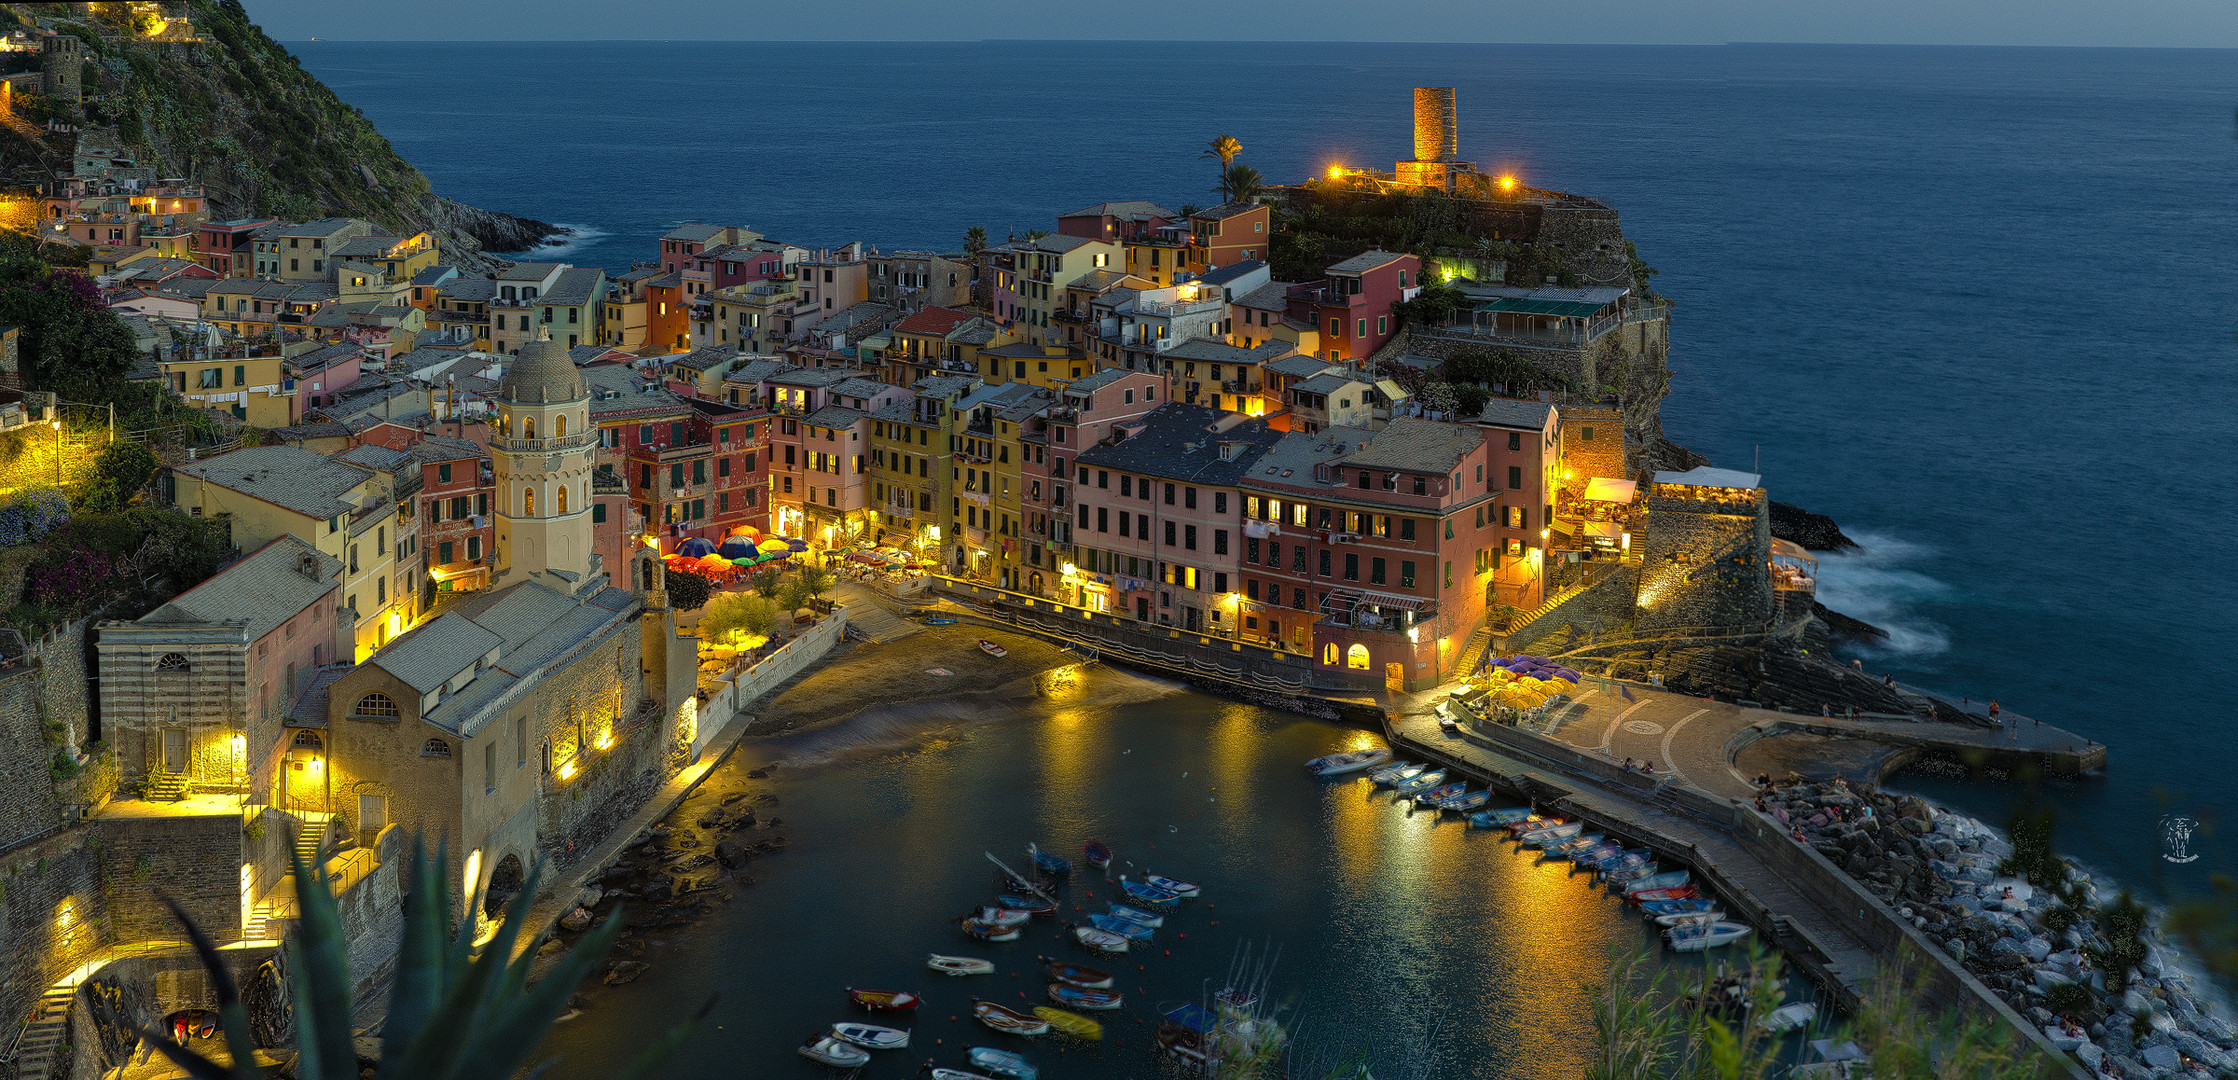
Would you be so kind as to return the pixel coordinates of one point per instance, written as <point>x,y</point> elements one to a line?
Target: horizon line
<point>1256,41</point>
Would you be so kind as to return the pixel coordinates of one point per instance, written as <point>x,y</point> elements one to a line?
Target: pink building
<point>1132,219</point>
<point>1352,305</point>
<point>1524,448</point>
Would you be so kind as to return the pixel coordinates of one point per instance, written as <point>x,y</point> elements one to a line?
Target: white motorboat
<point>1355,761</point>
<point>1099,940</point>
<point>1186,890</point>
<point>1543,837</point>
<point>1790,1016</point>
<point>1689,918</point>
<point>995,916</point>
<point>1419,781</point>
<point>1711,936</point>
<point>1392,774</point>
<point>959,965</point>
<point>831,1050</point>
<point>871,1036</point>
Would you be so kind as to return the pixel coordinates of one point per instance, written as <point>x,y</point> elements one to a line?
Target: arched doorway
<point>303,780</point>
<point>505,880</point>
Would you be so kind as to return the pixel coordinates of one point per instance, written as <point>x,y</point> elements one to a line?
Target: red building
<point>224,246</point>
<point>690,467</point>
<point>1352,306</point>
<point>456,530</point>
<point>1370,550</point>
<point>1229,234</point>
<point>1524,449</point>
<point>1113,222</point>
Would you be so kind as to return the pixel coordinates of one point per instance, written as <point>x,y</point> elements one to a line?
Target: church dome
<point>542,374</point>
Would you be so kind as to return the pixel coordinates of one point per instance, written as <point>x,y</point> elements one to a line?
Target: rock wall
<point>1705,567</point>
<point>51,915</point>
<point>373,923</point>
<point>1603,605</point>
<point>193,860</point>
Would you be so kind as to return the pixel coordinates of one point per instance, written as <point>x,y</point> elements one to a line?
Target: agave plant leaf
<point>421,966</point>
<point>233,1018</point>
<point>522,1018</point>
<point>323,1016</point>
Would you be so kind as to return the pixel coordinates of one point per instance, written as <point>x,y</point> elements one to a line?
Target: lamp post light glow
<point>1507,184</point>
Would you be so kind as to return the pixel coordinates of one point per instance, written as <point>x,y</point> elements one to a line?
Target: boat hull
<point>960,965</point>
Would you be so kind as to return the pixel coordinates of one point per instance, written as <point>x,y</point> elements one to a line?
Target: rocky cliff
<point>216,100</point>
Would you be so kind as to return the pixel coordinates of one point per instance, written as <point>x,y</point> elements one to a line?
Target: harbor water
<point>1434,948</point>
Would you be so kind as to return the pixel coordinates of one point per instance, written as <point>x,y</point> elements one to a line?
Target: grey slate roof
<point>1412,444</point>
<point>574,287</point>
<point>439,448</point>
<point>943,386</point>
<point>1225,274</point>
<point>285,476</point>
<point>1178,442</point>
<point>377,457</point>
<point>859,388</point>
<point>812,377</point>
<point>1213,351</point>
<point>264,588</point>
<point>1098,380</point>
<point>436,650</point>
<point>630,400</point>
<point>435,275</point>
<point>692,233</point>
<point>1292,461</point>
<point>1301,366</point>
<point>1365,261</point>
<point>1124,209</point>
<point>755,371</point>
<point>309,707</point>
<point>1510,413</point>
<point>471,290</point>
<point>1328,383</point>
<point>833,416</point>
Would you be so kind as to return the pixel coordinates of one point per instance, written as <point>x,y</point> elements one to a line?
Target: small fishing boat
<point>1098,853</point>
<point>1438,794</point>
<point>959,965</point>
<point>938,1073</point>
<point>1135,914</point>
<point>996,916</point>
<point>1483,819</point>
<point>1687,918</point>
<point>1053,865</point>
<point>1790,1016</point>
<point>1630,872</point>
<point>1574,846</point>
<point>940,620</point>
<point>1077,974</point>
<point>1081,997</point>
<point>1706,936</point>
<point>1465,802</point>
<point>1001,1063</point>
<point>1420,780</point>
<point>1031,905</point>
<point>828,1049</point>
<point>1543,837</point>
<point>1008,1021</point>
<point>1392,774</point>
<point>992,649</point>
<point>1507,816</point>
<point>1184,1033</point>
<point>1099,939</point>
<point>1069,1023</point>
<point>1591,857</point>
<point>1149,894</point>
<point>871,1036</point>
<point>884,1000</point>
<point>1677,907</point>
<point>1187,890</point>
<point>1126,928</point>
<point>1531,823</point>
<point>985,931</point>
<point>1667,880</point>
<point>1348,763</point>
<point>1683,892</point>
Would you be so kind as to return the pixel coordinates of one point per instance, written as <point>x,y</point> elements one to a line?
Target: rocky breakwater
<point>2100,981</point>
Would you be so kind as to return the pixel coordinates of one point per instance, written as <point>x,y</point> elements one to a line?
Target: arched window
<point>528,502</point>
<point>435,748</point>
<point>376,706</point>
<point>172,661</point>
<point>562,422</point>
<point>528,427</point>
<point>1357,658</point>
<point>1329,655</point>
<point>562,502</point>
<point>306,739</point>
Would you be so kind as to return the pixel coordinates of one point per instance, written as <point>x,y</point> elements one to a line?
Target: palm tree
<point>1239,183</point>
<point>975,239</point>
<point>1223,149</point>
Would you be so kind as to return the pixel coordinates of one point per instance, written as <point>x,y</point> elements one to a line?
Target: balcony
<point>536,446</point>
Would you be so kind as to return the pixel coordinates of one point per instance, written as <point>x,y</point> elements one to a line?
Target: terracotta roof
<point>933,320</point>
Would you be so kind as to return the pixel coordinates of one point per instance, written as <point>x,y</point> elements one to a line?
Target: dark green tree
<point>71,342</point>
<point>1240,182</point>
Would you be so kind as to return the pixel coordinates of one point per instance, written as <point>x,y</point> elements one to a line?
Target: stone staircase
<point>279,903</point>
<point>868,615</point>
<point>42,1038</point>
<point>169,786</point>
<point>1472,654</point>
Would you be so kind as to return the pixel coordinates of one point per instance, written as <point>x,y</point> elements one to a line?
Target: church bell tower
<point>541,451</point>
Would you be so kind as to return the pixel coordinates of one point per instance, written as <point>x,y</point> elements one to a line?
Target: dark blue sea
<point>1974,303</point>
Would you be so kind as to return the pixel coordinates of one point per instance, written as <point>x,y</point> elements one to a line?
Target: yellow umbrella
<point>772,546</point>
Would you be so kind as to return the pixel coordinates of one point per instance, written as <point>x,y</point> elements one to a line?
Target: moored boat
<point>1392,774</point>
<point>1008,1021</point>
<point>985,931</point>
<point>1187,890</point>
<point>1698,937</point>
<point>1135,914</point>
<point>1484,819</point>
<point>827,1049</point>
<point>1683,892</point>
<point>1668,880</point>
<point>1465,802</point>
<point>1099,939</point>
<point>996,916</point>
<point>1069,1023</point>
<point>1081,997</point>
<point>1032,905</point>
<point>1420,780</point>
<point>1126,928</point>
<point>1542,837</point>
<point>871,1036</point>
<point>1687,918</point>
<point>1001,1063</point>
<point>1531,823</point>
<point>1183,1035</point>
<point>1677,907</point>
<point>959,965</point>
<point>992,649</point>
<point>937,1073</point>
<point>884,1000</point>
<point>1098,853</point>
<point>1507,815</point>
<point>1790,1016</point>
<point>1149,894</point>
<point>1077,974</point>
<point>1054,865</point>
<point>1438,794</point>
<point>1348,763</point>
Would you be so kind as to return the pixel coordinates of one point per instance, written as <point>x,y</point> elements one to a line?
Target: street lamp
<point>57,423</point>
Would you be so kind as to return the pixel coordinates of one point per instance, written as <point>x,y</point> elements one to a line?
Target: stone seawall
<point>742,689</point>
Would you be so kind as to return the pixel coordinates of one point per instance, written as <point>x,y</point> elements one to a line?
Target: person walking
<point>1993,709</point>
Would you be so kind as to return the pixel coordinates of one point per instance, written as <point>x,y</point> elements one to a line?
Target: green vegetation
<point>120,474</point>
<point>1240,182</point>
<point>71,342</point>
<point>456,1012</point>
<point>1321,225</point>
<point>124,564</point>
<point>1502,371</point>
<point>737,613</point>
<point>688,591</point>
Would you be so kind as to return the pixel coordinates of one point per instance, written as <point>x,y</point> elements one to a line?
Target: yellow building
<point>1049,366</point>
<point>346,511</point>
<point>913,447</point>
<point>304,251</point>
<point>1045,267</point>
<point>251,388</point>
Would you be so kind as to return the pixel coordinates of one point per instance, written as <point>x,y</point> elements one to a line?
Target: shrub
<point>734,613</point>
<point>31,515</point>
<point>688,591</point>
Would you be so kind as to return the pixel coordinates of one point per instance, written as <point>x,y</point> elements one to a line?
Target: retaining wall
<point>742,688</point>
<point>1605,603</point>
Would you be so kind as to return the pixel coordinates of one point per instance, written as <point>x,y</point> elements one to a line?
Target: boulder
<point>1913,825</point>
<point>589,896</point>
<point>2060,1038</point>
<point>2039,950</point>
<point>732,854</point>
<point>625,971</point>
<point>2090,1054</point>
<point>551,948</point>
<point>576,921</point>
<point>2160,1056</point>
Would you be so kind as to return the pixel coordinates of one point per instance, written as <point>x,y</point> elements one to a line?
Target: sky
<point>2137,23</point>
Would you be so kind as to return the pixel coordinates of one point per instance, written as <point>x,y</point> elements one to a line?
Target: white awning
<point>1603,489</point>
<point>1610,529</point>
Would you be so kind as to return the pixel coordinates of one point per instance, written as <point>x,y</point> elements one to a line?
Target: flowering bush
<point>72,582</point>
<point>31,515</point>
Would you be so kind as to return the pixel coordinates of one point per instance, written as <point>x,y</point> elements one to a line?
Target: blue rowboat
<point>1080,997</point>
<point>940,621</point>
<point>1483,820</point>
<point>1001,1063</point>
<point>1029,904</point>
<point>1573,848</point>
<point>1555,835</point>
<point>1429,779</point>
<point>1126,928</point>
<point>1055,865</point>
<point>1135,914</point>
<point>1678,907</point>
<point>1467,801</point>
<point>1670,880</point>
<point>1508,816</point>
<point>1436,795</point>
<point>1392,774</point>
<point>1187,890</point>
<point>1149,894</point>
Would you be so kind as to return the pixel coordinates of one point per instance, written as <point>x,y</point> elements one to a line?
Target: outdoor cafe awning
<point>1609,529</point>
<point>1603,489</point>
<point>1522,305</point>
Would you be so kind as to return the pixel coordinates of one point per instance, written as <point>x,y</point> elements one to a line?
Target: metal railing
<point>563,442</point>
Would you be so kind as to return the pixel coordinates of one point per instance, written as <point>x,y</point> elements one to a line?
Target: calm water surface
<point>1393,928</point>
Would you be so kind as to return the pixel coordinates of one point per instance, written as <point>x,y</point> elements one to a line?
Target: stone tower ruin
<point>61,57</point>
<point>1436,127</point>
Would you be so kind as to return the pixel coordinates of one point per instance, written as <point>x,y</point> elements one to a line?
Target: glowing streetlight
<point>1507,184</point>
